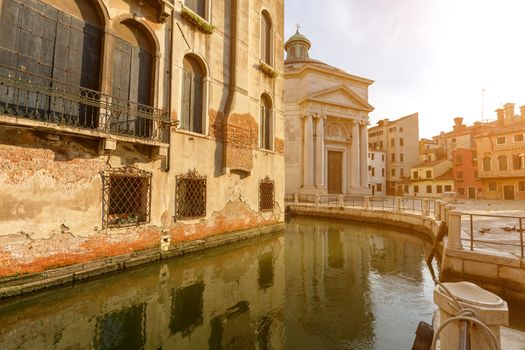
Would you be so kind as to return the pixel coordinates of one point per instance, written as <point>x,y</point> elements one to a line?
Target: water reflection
<point>321,285</point>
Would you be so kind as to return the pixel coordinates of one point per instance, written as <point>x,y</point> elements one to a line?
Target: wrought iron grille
<point>266,194</point>
<point>37,97</point>
<point>126,194</point>
<point>190,195</point>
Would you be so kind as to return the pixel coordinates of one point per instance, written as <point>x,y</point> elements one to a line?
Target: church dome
<point>297,47</point>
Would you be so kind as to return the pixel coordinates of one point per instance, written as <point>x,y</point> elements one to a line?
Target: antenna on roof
<point>482,105</point>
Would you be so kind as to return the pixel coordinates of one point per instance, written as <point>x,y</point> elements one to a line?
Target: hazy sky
<point>428,56</point>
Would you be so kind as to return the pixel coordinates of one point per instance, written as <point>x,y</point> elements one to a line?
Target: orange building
<point>465,173</point>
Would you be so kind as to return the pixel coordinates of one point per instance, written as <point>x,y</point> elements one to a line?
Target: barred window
<point>190,196</point>
<point>266,195</point>
<point>126,197</point>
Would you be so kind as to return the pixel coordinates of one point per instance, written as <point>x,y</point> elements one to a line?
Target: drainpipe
<point>233,77</point>
<point>170,89</point>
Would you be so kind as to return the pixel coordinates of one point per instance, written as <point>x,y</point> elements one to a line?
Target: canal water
<point>319,285</point>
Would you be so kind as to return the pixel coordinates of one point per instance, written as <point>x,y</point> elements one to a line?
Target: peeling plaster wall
<point>50,182</point>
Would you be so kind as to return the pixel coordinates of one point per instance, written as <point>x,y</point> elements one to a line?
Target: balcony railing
<point>39,98</point>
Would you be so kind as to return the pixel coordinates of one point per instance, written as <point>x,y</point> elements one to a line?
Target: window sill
<point>267,151</point>
<point>268,70</point>
<point>203,25</point>
<point>192,133</point>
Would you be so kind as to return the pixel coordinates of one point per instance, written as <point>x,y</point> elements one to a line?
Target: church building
<point>326,120</point>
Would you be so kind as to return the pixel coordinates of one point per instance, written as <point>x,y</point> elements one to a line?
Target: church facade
<point>326,120</point>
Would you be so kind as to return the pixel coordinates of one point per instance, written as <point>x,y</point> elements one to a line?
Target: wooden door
<point>508,192</point>
<point>472,192</point>
<point>335,172</point>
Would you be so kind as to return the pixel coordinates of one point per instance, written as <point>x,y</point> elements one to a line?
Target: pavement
<point>495,224</point>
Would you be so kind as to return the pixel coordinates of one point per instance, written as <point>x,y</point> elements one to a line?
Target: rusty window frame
<point>266,194</point>
<point>126,197</point>
<point>190,195</point>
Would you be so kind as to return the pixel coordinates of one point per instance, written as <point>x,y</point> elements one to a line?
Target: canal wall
<point>499,272</point>
<point>26,283</point>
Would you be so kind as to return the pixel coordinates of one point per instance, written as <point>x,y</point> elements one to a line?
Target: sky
<point>434,57</point>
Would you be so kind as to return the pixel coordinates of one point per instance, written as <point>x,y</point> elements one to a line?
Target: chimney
<point>509,113</point>
<point>501,116</point>
<point>458,122</point>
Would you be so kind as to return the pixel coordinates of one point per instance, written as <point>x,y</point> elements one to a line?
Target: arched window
<point>266,124</point>
<point>132,79</point>
<point>502,161</point>
<point>486,164</point>
<point>192,95</point>
<point>66,56</point>
<point>266,38</point>
<point>197,6</point>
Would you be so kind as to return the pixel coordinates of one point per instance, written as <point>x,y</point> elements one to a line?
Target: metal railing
<point>509,236</point>
<point>36,97</point>
<point>416,206</point>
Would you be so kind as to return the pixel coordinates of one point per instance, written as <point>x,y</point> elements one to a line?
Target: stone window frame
<point>267,57</point>
<point>501,140</point>
<point>416,188</point>
<point>428,174</point>
<point>439,188</point>
<point>503,163</point>
<point>266,194</point>
<point>448,188</point>
<point>115,195</point>
<point>266,118</point>
<point>429,188</point>
<point>205,95</point>
<point>487,164</point>
<point>492,186</point>
<point>188,185</point>
<point>521,186</point>
<point>516,138</point>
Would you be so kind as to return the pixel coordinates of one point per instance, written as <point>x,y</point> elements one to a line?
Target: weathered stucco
<point>50,175</point>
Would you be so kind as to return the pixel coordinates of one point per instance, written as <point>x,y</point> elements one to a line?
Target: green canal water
<point>319,285</point>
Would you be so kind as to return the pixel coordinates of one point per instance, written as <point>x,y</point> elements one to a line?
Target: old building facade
<point>377,172</point>
<point>326,113</point>
<point>124,123</point>
<point>399,140</point>
<point>501,155</point>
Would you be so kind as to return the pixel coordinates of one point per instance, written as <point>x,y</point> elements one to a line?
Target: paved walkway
<point>493,233</point>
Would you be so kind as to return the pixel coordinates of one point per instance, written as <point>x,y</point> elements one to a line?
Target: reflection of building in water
<point>327,289</point>
<point>227,299</point>
<point>389,254</point>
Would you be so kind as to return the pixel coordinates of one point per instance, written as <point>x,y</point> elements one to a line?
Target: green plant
<point>200,22</point>
<point>268,70</point>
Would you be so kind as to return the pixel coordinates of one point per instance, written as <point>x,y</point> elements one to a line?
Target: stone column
<point>308,152</point>
<point>363,148</point>
<point>354,171</point>
<point>454,230</point>
<point>319,152</point>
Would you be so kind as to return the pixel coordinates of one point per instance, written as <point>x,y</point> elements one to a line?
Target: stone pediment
<point>340,96</point>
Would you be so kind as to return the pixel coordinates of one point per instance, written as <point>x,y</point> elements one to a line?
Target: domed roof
<point>297,37</point>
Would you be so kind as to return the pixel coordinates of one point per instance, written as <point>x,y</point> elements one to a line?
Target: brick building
<point>399,140</point>
<point>127,122</point>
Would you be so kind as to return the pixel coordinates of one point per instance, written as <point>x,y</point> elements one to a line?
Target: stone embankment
<point>495,263</point>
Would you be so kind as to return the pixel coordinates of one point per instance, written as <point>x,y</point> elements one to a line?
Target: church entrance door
<point>335,172</point>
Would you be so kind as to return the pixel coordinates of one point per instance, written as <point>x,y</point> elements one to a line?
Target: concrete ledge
<point>14,286</point>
